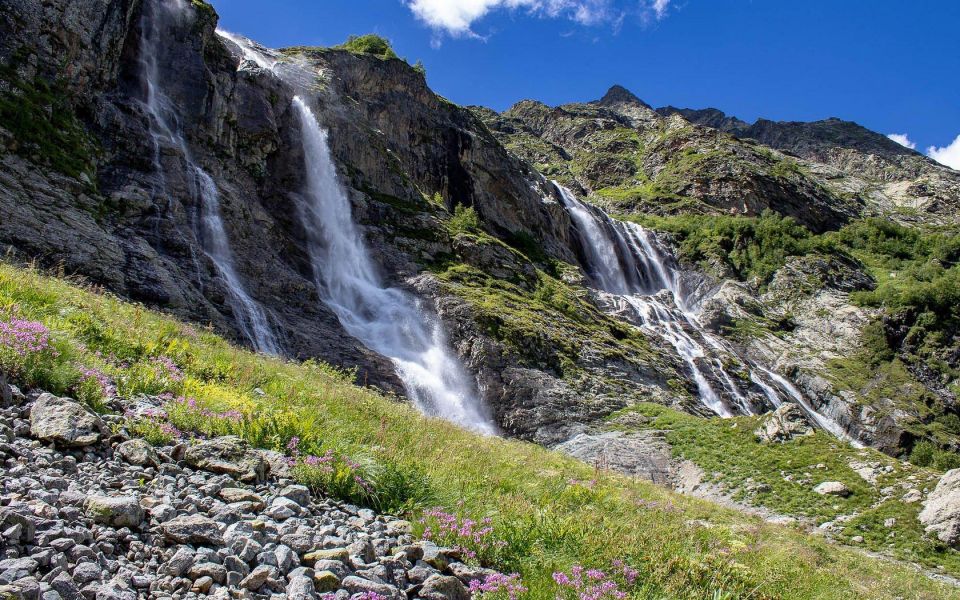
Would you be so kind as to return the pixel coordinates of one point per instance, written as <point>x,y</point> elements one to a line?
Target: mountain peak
<point>617,94</point>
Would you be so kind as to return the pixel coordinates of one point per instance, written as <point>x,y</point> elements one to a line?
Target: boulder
<point>231,495</point>
<point>11,518</point>
<point>832,488</point>
<point>941,512</point>
<point>138,452</point>
<point>300,588</point>
<point>192,529</point>
<point>65,422</point>
<point>6,396</point>
<point>230,455</point>
<point>115,511</point>
<point>444,587</point>
<point>325,581</point>
<point>785,423</point>
<point>359,585</point>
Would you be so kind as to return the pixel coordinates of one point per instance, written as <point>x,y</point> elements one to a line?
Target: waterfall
<point>165,131</point>
<point>387,320</point>
<point>628,263</point>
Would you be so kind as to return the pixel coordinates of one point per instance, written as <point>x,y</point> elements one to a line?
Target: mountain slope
<point>895,178</point>
<point>547,512</point>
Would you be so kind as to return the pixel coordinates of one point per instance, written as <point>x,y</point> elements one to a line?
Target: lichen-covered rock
<point>65,422</point>
<point>941,512</point>
<point>230,455</point>
<point>783,424</point>
<point>832,488</point>
<point>443,587</point>
<point>116,511</point>
<point>192,529</point>
<point>138,452</point>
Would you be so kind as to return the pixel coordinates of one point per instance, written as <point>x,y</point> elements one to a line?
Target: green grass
<point>781,477</point>
<point>683,547</point>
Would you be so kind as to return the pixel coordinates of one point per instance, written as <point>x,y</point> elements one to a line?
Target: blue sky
<point>890,65</point>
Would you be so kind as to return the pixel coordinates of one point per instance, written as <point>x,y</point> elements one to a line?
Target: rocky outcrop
<point>893,179</point>
<point>65,423</point>
<point>941,512</point>
<point>629,158</point>
<point>784,424</point>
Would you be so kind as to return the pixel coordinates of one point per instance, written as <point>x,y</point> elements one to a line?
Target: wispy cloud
<point>948,155</point>
<point>902,139</point>
<point>457,17</point>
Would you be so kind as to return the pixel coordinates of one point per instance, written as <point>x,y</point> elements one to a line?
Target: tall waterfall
<point>387,320</point>
<point>628,263</point>
<point>166,132</point>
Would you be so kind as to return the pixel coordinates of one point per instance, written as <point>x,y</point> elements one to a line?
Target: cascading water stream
<point>386,320</point>
<point>165,130</point>
<point>627,262</point>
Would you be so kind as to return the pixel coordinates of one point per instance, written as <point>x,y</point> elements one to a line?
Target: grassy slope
<point>781,477</point>
<point>685,548</point>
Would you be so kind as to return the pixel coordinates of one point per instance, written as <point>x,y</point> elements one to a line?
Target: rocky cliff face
<point>100,156</point>
<point>119,205</point>
<point>852,159</point>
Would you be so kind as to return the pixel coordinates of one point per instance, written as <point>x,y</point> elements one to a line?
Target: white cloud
<point>456,17</point>
<point>660,8</point>
<point>948,155</point>
<point>902,139</point>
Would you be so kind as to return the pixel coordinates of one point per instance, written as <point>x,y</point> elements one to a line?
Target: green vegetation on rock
<point>44,126</point>
<point>370,43</point>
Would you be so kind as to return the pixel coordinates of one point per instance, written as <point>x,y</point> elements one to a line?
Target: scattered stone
<point>325,581</point>
<point>300,588</point>
<point>192,529</point>
<point>232,494</point>
<point>138,452</point>
<point>941,512</point>
<point>832,488</point>
<point>230,455</point>
<point>337,554</point>
<point>442,587</point>
<point>785,423</point>
<point>82,525</point>
<point>255,580</point>
<point>912,496</point>
<point>116,511</point>
<point>65,422</point>
<point>358,585</point>
<point>6,395</point>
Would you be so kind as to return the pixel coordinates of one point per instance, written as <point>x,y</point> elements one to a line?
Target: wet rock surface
<point>118,519</point>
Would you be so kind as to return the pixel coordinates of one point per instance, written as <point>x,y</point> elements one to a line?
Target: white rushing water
<point>626,261</point>
<point>165,129</point>
<point>387,320</point>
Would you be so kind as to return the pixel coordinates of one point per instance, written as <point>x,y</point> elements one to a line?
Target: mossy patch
<point>44,125</point>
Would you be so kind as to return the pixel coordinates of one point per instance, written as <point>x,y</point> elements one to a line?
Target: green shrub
<point>464,220</point>
<point>369,44</point>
